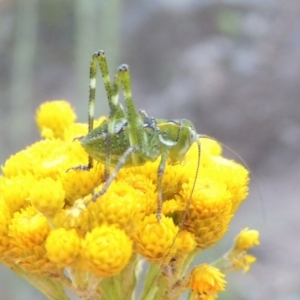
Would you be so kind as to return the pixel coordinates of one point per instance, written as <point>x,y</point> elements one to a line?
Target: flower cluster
<point>51,237</point>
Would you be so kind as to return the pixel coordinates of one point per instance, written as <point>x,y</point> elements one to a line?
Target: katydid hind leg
<point>116,109</point>
<point>136,131</point>
<point>114,174</point>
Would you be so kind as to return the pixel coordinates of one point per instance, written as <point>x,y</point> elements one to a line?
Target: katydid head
<point>186,135</point>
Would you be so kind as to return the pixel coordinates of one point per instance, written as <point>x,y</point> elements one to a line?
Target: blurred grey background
<point>232,67</point>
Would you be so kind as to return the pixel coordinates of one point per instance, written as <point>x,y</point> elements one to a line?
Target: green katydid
<point>129,137</point>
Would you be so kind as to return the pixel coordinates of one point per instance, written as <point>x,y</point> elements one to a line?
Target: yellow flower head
<point>29,229</point>
<point>28,232</point>
<point>47,203</point>
<point>155,240</point>
<point>15,192</point>
<point>210,211</point>
<point>239,258</point>
<point>63,246</point>
<point>205,282</point>
<point>246,240</point>
<point>106,250</point>
<point>120,207</point>
<point>185,242</point>
<point>54,117</point>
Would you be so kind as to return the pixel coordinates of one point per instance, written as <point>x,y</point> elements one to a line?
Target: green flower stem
<point>188,261</point>
<point>111,288</point>
<point>224,264</point>
<point>128,278</point>
<point>79,279</point>
<point>150,287</point>
<point>88,287</point>
<point>163,290</point>
<point>84,284</point>
<point>51,288</point>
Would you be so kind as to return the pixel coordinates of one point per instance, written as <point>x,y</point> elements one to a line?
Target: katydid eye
<point>193,135</point>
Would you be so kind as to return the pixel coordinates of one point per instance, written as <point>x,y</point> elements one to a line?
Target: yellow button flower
<point>234,176</point>
<point>28,229</point>
<point>185,242</point>
<point>15,191</point>
<point>246,240</point>
<point>238,256</point>
<point>210,212</point>
<point>106,250</point>
<point>119,207</point>
<point>206,282</point>
<point>63,246</point>
<point>156,240</point>
<point>54,117</point>
<point>145,199</point>
<point>78,183</point>
<point>28,232</point>
<point>52,201</point>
